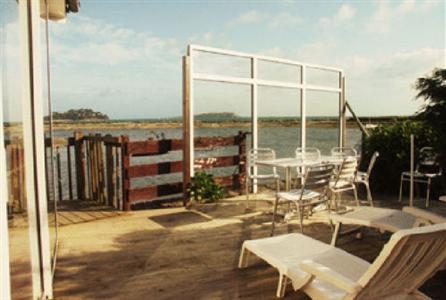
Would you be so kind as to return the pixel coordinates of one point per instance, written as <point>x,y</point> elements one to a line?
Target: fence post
<point>242,157</point>
<point>187,139</point>
<point>79,157</point>
<point>70,181</point>
<point>125,178</point>
<point>59,175</point>
<point>110,170</point>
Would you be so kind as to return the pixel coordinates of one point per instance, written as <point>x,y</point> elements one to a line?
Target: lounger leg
<point>401,189</point>
<point>301,218</point>
<point>428,191</point>
<point>335,235</point>
<point>281,287</point>
<point>274,215</point>
<point>244,258</point>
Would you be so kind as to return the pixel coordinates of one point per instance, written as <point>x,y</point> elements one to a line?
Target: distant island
<point>87,119</point>
<point>82,114</point>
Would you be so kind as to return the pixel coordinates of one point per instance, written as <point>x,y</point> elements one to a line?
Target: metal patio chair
<point>344,180</point>
<point>363,177</point>
<point>427,169</point>
<point>309,154</point>
<point>254,155</point>
<point>314,191</point>
<point>344,152</point>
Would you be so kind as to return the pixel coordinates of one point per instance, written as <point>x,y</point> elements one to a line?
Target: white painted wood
<point>303,108</point>
<point>261,57</point>
<point>262,82</point>
<point>412,168</point>
<point>254,82</point>
<point>342,115</point>
<point>5,282</point>
<point>190,53</point>
<point>33,139</point>
<point>254,113</point>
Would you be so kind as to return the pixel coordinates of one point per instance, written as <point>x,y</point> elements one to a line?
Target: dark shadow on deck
<point>179,219</point>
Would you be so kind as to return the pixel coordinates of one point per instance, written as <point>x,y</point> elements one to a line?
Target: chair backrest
<point>318,177</point>
<point>308,153</point>
<point>409,258</point>
<point>372,162</point>
<point>347,170</point>
<point>259,154</point>
<point>344,152</point>
<point>428,161</point>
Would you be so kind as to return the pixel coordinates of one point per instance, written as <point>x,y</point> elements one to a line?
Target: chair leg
<point>334,237</point>
<point>401,189</point>
<point>428,190</point>
<point>301,218</point>
<point>247,187</point>
<point>274,215</point>
<point>369,193</point>
<point>281,287</point>
<point>355,192</point>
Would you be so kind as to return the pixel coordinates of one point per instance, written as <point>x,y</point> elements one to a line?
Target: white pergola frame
<point>190,76</point>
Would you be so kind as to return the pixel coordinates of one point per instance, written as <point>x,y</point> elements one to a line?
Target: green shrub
<point>203,188</point>
<point>393,144</point>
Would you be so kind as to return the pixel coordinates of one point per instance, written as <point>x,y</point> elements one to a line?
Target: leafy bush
<point>203,188</point>
<point>393,144</point>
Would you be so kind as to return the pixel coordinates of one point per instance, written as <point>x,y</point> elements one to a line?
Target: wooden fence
<point>133,196</point>
<point>100,168</point>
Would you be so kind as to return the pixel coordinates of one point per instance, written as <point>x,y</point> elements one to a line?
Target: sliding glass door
<point>23,216</point>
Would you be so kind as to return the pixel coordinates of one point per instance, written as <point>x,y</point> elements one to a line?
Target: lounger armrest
<point>424,215</point>
<point>329,275</point>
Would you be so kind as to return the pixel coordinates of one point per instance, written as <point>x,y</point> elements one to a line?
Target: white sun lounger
<point>323,271</point>
<point>384,219</point>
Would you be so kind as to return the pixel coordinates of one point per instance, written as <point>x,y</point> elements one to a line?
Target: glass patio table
<point>291,162</point>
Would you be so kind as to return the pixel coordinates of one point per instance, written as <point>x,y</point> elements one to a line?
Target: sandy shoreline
<point>11,128</point>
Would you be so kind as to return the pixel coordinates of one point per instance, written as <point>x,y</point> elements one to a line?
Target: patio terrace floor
<point>177,253</point>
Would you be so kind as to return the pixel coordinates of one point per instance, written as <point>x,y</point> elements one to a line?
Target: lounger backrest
<point>410,258</point>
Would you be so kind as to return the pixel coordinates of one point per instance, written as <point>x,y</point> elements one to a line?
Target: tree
<point>432,89</point>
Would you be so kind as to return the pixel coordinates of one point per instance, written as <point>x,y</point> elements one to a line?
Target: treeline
<point>79,115</point>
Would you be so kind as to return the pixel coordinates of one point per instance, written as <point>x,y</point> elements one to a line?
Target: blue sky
<point>124,57</point>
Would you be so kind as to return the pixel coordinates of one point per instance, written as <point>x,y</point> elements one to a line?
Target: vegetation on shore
<point>393,140</point>
<point>82,114</point>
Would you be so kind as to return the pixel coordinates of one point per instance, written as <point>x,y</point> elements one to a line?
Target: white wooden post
<point>33,141</point>
<point>190,52</point>
<point>412,164</point>
<point>303,108</point>
<point>5,283</point>
<point>342,113</point>
<point>254,115</point>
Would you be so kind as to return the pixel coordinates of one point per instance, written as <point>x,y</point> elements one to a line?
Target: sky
<point>123,58</point>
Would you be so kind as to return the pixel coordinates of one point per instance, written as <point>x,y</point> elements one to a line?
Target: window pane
<point>11,88</point>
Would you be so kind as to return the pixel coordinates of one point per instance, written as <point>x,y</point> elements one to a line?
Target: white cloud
<point>93,41</point>
<point>284,19</point>
<point>387,14</point>
<point>249,17</point>
<point>273,21</point>
<point>344,14</point>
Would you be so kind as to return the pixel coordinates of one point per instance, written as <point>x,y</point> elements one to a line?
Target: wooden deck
<point>186,254</point>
